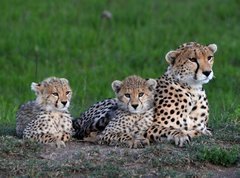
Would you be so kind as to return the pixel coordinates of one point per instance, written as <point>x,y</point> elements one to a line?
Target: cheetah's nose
<point>64,103</point>
<point>206,73</point>
<point>135,106</point>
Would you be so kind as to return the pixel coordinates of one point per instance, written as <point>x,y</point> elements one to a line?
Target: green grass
<point>219,156</point>
<point>69,39</point>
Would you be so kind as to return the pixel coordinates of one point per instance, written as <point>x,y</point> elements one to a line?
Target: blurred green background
<point>69,39</point>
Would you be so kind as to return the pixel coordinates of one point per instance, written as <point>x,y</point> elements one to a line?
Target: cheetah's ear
<point>116,86</point>
<point>64,80</point>
<point>213,47</point>
<point>171,57</point>
<point>152,84</point>
<point>36,87</point>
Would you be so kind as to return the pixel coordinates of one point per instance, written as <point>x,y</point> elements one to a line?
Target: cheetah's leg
<point>139,141</point>
<point>51,139</point>
<point>157,133</point>
<point>124,139</point>
<point>191,134</point>
<point>48,139</point>
<point>61,138</point>
<point>204,130</point>
<point>114,138</point>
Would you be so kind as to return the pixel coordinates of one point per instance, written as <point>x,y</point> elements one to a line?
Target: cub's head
<point>53,93</point>
<point>192,63</point>
<point>135,94</point>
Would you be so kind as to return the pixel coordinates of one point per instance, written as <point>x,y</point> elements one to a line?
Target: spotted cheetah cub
<point>135,98</point>
<point>47,120</point>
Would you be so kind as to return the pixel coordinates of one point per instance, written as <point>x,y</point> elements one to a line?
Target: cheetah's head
<point>135,94</point>
<point>192,63</point>
<point>53,93</point>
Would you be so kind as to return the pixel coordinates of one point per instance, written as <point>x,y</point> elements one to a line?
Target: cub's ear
<point>36,87</point>
<point>64,80</point>
<point>116,86</point>
<point>152,84</point>
<point>213,47</point>
<point>171,57</point>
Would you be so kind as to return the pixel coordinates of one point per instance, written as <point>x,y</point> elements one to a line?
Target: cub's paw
<point>138,143</point>
<point>92,137</point>
<point>60,144</point>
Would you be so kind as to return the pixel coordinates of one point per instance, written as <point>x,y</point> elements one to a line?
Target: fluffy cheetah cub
<point>47,120</point>
<point>135,98</point>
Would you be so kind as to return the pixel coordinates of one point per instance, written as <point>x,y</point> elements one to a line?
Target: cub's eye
<point>127,95</point>
<point>55,94</point>
<point>140,94</point>
<point>210,57</point>
<point>67,92</point>
<point>193,59</point>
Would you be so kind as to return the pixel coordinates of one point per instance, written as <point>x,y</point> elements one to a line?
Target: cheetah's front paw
<point>207,131</point>
<point>181,139</point>
<point>139,143</point>
<point>60,144</point>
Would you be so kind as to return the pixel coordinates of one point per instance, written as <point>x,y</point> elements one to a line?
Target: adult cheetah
<point>47,120</point>
<point>181,105</point>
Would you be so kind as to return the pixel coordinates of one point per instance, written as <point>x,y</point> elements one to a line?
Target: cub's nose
<point>64,102</point>
<point>135,106</point>
<point>206,73</point>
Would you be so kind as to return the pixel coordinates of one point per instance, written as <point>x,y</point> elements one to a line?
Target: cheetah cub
<point>47,119</point>
<point>134,115</point>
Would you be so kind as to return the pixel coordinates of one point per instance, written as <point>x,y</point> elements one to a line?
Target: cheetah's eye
<point>210,58</point>
<point>55,94</point>
<point>67,92</point>
<point>127,95</point>
<point>140,94</point>
<point>193,59</point>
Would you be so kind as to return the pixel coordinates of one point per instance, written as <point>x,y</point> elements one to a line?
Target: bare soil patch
<point>81,159</point>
